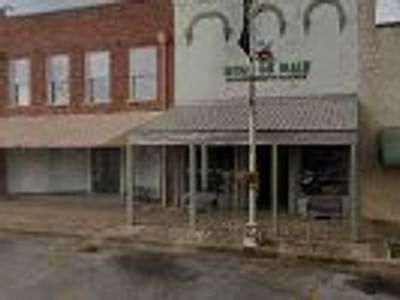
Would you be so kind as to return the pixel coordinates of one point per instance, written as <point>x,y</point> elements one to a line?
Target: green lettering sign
<point>270,71</point>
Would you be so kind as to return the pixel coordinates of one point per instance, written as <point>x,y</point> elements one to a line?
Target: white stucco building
<point>307,97</point>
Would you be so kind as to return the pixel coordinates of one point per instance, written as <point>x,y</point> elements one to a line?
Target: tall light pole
<point>248,44</point>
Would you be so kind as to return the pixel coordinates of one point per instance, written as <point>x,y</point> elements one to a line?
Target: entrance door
<point>264,170</point>
<point>283,178</point>
<point>106,170</point>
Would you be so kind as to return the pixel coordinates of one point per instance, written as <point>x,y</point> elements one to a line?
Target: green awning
<point>389,147</point>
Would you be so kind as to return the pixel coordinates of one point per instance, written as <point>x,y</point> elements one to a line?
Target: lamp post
<point>250,239</point>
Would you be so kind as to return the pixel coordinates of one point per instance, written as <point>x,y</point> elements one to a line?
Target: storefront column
<point>164,171</point>
<point>204,168</point>
<point>294,180</point>
<point>176,175</point>
<point>192,186</point>
<point>354,197</point>
<point>122,172</point>
<point>274,179</point>
<point>236,187</point>
<point>129,186</point>
<point>182,173</point>
<point>89,185</point>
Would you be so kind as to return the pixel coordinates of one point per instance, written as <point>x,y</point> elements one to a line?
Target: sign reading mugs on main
<point>299,70</point>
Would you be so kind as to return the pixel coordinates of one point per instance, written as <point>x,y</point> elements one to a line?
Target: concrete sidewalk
<point>100,219</point>
<point>63,215</point>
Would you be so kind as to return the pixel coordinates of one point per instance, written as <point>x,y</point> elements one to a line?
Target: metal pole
<point>236,189</point>
<point>252,159</point>
<point>89,183</point>
<point>164,175</point>
<point>192,186</point>
<point>129,186</point>
<point>275,205</point>
<point>251,234</point>
<point>354,193</point>
<point>122,172</point>
<point>204,168</point>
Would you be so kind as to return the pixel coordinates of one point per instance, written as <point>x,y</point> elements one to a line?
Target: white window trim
<point>66,101</point>
<point>131,75</point>
<point>13,102</point>
<point>89,98</point>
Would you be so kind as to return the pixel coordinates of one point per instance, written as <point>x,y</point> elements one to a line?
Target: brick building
<point>63,126</point>
<point>72,83</point>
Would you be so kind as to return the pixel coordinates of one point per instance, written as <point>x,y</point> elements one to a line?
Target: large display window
<point>325,171</point>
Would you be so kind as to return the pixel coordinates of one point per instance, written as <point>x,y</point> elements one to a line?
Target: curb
<point>270,252</point>
<point>42,233</point>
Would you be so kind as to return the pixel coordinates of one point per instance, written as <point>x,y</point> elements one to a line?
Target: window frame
<point>50,80</point>
<point>14,98</point>
<point>89,95</point>
<point>133,76</point>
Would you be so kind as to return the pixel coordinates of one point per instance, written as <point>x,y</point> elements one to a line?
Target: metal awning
<point>69,131</point>
<point>311,120</point>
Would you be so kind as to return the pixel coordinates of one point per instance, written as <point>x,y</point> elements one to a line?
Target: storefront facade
<point>73,83</point>
<point>307,108</point>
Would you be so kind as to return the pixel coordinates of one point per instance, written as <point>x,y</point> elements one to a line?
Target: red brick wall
<point>113,27</point>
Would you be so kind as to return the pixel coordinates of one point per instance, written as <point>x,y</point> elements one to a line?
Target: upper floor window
<point>143,73</point>
<point>97,76</point>
<point>58,79</point>
<point>19,82</point>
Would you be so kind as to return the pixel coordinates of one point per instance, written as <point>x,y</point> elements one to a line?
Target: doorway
<point>106,170</point>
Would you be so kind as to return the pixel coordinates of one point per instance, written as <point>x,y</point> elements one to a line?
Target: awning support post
<point>354,214</point>
<point>129,186</point>
<point>274,176</point>
<point>192,187</point>
<point>294,180</point>
<point>164,171</point>
<point>236,189</point>
<point>204,168</point>
<point>122,172</point>
<point>89,179</point>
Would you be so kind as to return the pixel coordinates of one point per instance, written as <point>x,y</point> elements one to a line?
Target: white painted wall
<point>26,171</point>
<point>68,171</point>
<point>147,164</point>
<point>199,66</point>
<point>44,171</point>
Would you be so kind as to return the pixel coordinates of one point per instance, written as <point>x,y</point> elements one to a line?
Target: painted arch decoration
<point>317,3</point>
<point>269,7</point>
<point>227,29</point>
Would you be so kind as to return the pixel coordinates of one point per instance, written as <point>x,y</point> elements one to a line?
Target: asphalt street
<point>52,269</point>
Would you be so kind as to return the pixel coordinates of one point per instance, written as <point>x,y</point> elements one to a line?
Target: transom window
<point>143,73</point>
<point>19,82</point>
<point>97,77</point>
<point>58,80</point>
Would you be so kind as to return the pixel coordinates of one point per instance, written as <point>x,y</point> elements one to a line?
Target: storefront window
<point>325,171</point>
